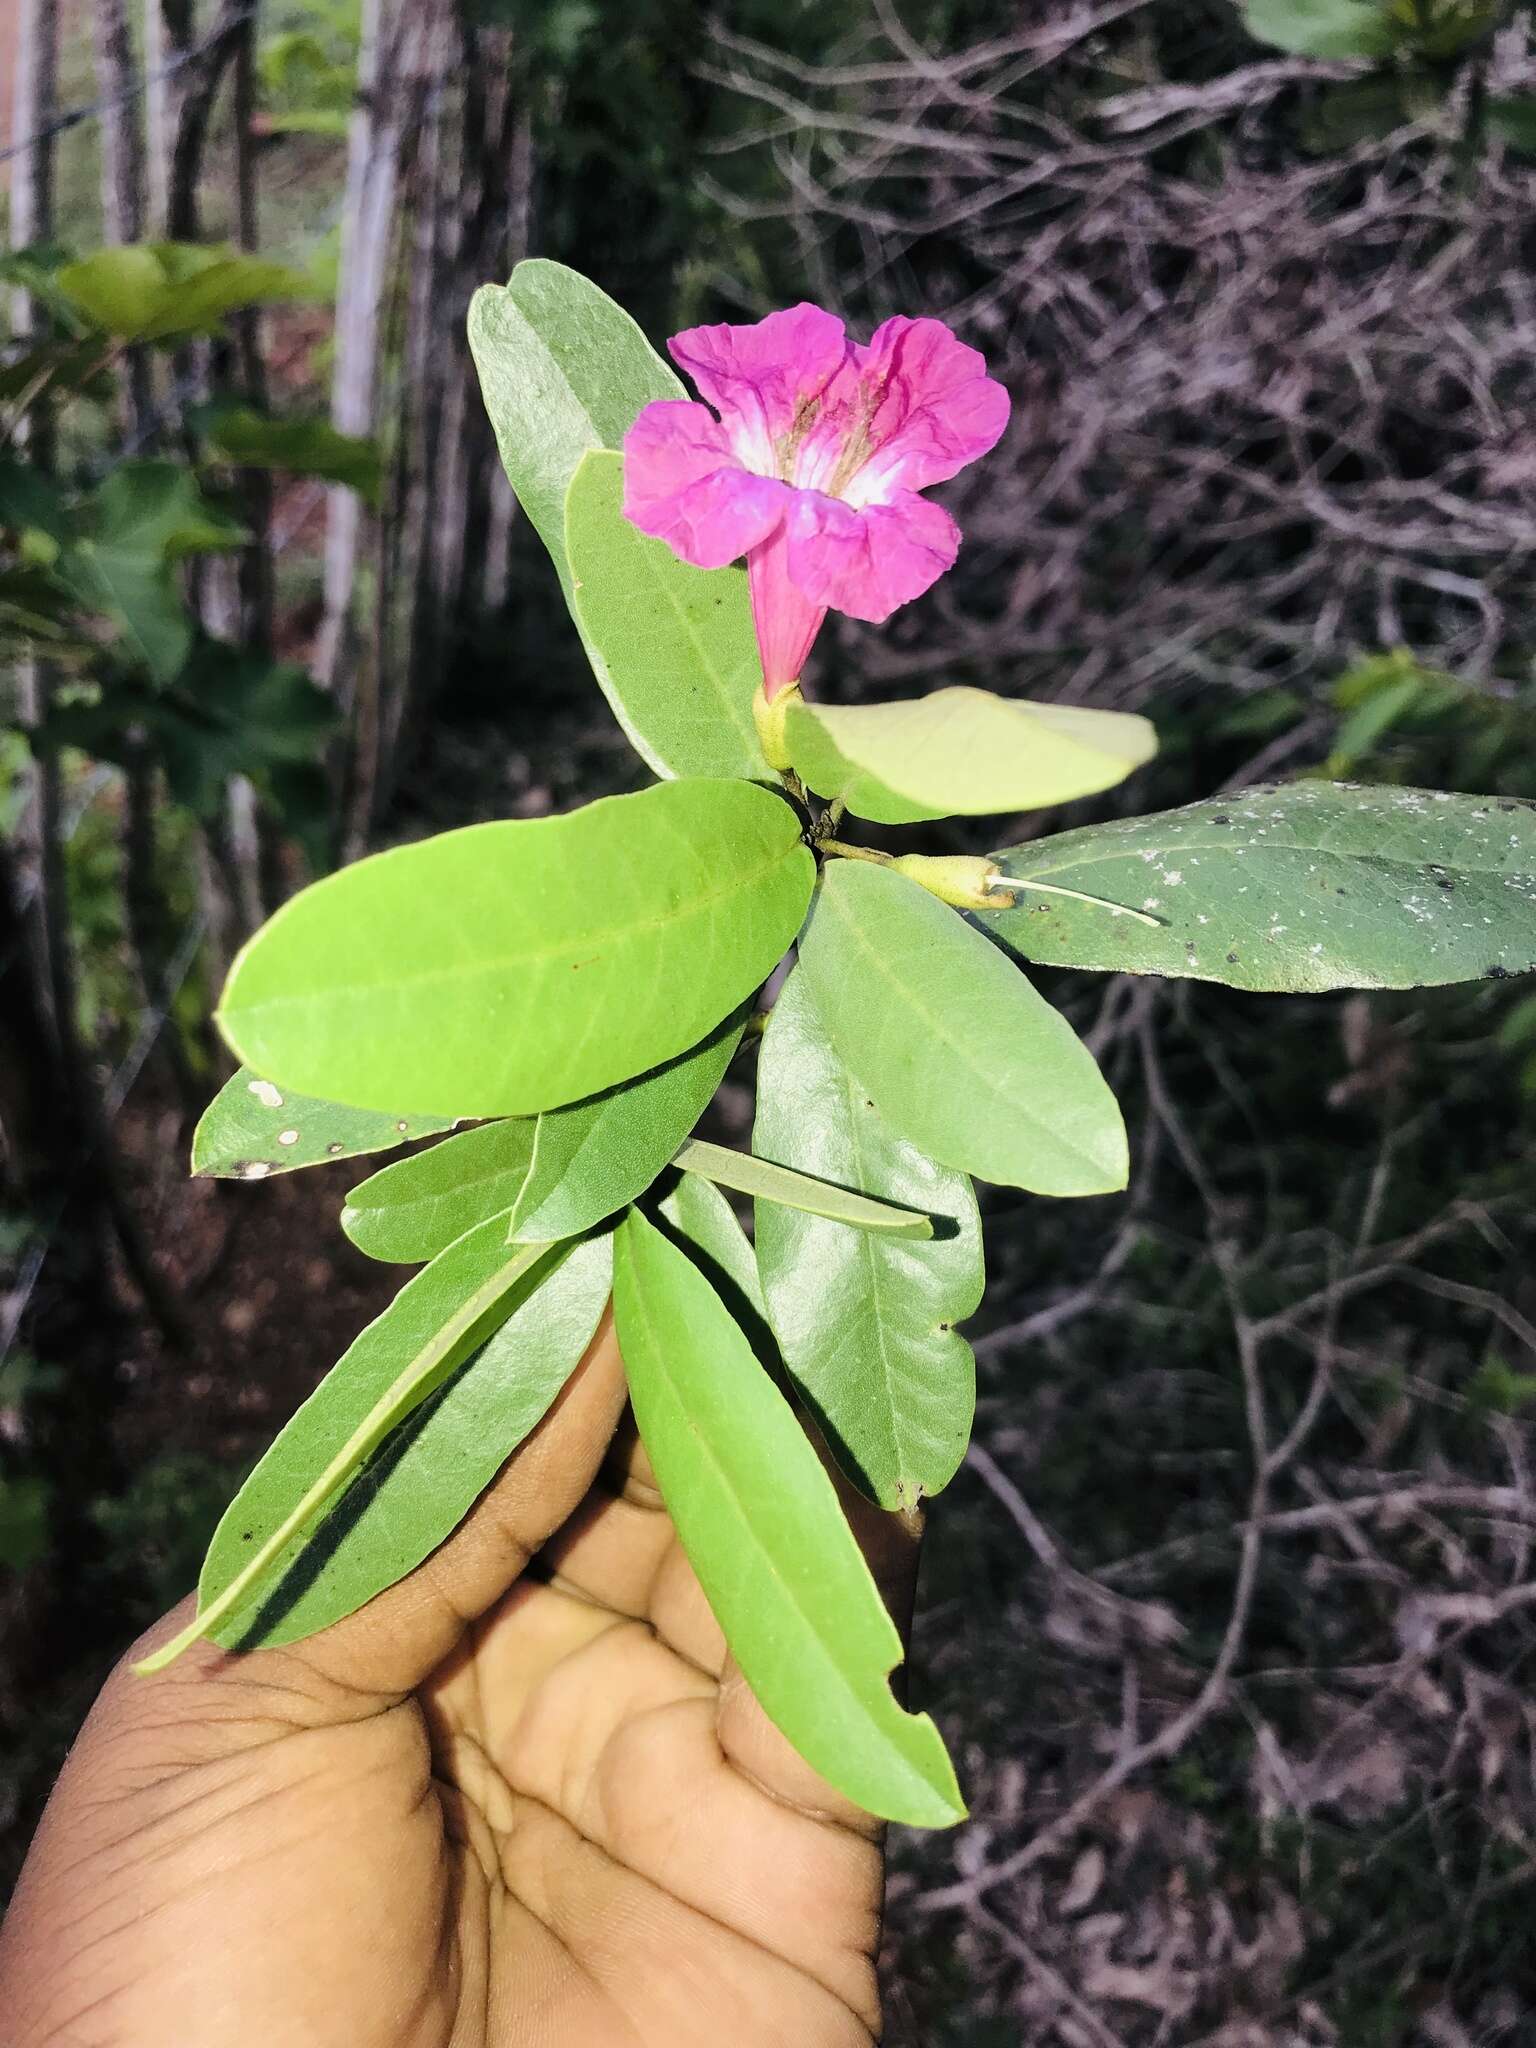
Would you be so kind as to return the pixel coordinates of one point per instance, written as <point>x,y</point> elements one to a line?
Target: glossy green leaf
<point>593,1157</point>
<point>762,1527</point>
<point>675,645</point>
<point>767,1182</point>
<point>303,447</point>
<point>702,1219</point>
<point>1321,28</point>
<point>417,1207</point>
<point>423,1479</point>
<point>251,1130</point>
<point>512,967</point>
<point>433,1324</point>
<point>152,291</point>
<point>1313,886</point>
<point>144,519</point>
<point>961,752</point>
<point>952,1045</point>
<point>864,1321</point>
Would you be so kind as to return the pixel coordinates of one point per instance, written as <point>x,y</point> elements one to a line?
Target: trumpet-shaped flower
<point>811,464</point>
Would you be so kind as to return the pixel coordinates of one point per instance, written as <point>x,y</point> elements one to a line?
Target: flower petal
<point>756,376</point>
<point>683,484</point>
<point>867,560</point>
<point>938,411</point>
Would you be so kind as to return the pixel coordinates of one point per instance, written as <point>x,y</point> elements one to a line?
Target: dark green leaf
<point>31,498</point>
<point>865,1322</point>
<point>1313,886</point>
<point>1322,28</point>
<point>760,1522</point>
<point>423,1479</point>
<point>251,1130</point>
<point>511,968</point>
<point>953,1046</point>
<point>304,447</point>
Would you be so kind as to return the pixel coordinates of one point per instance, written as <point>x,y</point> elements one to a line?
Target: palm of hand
<point>489,1809</point>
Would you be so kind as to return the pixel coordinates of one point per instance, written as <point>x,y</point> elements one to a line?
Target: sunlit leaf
<point>865,1321</point>
<point>417,1207</point>
<point>513,967</point>
<point>763,1530</point>
<point>767,1182</point>
<point>952,1045</point>
<point>961,752</point>
<point>1313,886</point>
<point>251,1130</point>
<point>423,1479</point>
<point>674,646</point>
<point>152,291</point>
<point>1322,28</point>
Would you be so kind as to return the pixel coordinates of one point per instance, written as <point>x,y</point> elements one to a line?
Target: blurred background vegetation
<point>1232,1613</point>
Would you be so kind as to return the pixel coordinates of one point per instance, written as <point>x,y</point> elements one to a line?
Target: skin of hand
<point>522,1798</point>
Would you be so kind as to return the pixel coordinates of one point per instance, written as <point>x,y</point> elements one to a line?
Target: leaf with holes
<point>764,1531</point>
<point>865,1322</point>
<point>510,968</point>
<point>1314,886</point>
<point>251,1130</point>
<point>953,1046</point>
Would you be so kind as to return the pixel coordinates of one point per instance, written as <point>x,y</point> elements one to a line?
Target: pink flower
<point>813,467</point>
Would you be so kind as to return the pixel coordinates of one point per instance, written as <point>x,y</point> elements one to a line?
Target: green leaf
<point>433,1324</point>
<point>700,1216</point>
<point>424,1478</point>
<point>952,1045</point>
<point>304,447</point>
<point>1321,28</point>
<point>760,1522</point>
<point>235,711</point>
<point>31,498</point>
<point>961,752</point>
<point>152,291</point>
<point>512,967</point>
<point>1313,886</point>
<point>673,646</point>
<point>417,1207</point>
<point>1513,120</point>
<point>251,1130</point>
<point>145,518</point>
<point>865,1322</point>
<point>563,369</point>
<point>766,1182</point>
<point>592,1158</point>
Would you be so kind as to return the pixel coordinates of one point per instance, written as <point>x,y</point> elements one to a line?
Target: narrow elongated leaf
<point>423,1479</point>
<point>251,1130</point>
<point>760,1522</point>
<point>1313,886</point>
<point>865,1321</point>
<point>952,1045</point>
<point>700,1215</point>
<point>961,752</point>
<point>676,644</point>
<point>431,1326</point>
<point>417,1207</point>
<point>593,1158</point>
<point>510,968</point>
<point>766,1181</point>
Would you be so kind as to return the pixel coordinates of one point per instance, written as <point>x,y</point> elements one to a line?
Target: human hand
<point>508,1801</point>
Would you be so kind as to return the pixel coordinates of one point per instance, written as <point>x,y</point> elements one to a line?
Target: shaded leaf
<point>674,646</point>
<point>433,1324</point>
<point>961,752</point>
<point>304,447</point>
<point>592,1158</point>
<point>763,1530</point>
<point>952,1045</point>
<point>865,1322</point>
<point>1322,28</point>
<point>1313,886</point>
<point>425,1477</point>
<point>512,967</point>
